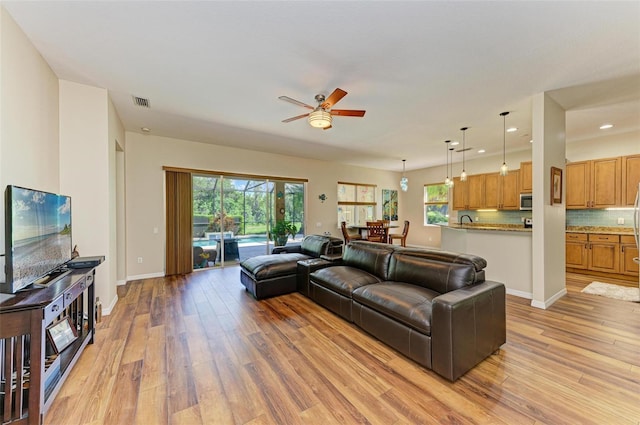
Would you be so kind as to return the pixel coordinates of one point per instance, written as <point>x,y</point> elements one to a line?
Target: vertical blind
<point>179,223</point>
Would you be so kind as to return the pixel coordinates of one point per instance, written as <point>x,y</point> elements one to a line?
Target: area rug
<point>610,290</point>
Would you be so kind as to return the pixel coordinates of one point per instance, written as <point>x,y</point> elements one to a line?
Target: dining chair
<point>376,231</point>
<point>401,236</point>
<point>348,237</point>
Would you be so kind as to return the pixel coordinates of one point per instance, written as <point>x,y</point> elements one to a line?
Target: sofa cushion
<point>406,303</point>
<point>270,266</point>
<point>478,263</point>
<point>438,276</point>
<point>342,279</point>
<point>369,256</point>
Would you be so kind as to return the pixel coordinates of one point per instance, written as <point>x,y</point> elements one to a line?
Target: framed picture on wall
<point>556,185</point>
<point>390,204</point>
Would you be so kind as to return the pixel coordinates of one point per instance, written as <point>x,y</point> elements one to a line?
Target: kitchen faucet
<point>466,215</point>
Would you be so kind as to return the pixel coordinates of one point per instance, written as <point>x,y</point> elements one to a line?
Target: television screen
<point>37,235</point>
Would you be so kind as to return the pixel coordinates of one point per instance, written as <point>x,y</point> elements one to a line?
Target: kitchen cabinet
<point>460,194</point>
<point>526,177</point>
<point>487,191</point>
<point>509,191</point>
<point>576,250</point>
<point>594,184</point>
<point>630,179</point>
<point>628,251</point>
<point>476,190</point>
<point>468,195</point>
<point>604,253</point>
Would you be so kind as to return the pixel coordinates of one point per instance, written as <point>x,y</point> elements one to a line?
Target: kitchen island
<point>506,247</point>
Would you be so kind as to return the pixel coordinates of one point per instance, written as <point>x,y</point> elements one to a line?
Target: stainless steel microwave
<point>526,202</point>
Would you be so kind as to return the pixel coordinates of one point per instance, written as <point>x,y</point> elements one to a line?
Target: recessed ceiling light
<point>531,141</point>
<point>512,129</point>
<point>454,143</point>
<point>145,129</point>
<point>481,151</point>
<point>605,126</point>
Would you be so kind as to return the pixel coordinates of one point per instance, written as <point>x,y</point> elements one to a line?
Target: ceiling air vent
<point>141,101</point>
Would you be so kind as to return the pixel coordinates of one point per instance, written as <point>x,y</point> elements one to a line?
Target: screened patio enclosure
<point>232,216</point>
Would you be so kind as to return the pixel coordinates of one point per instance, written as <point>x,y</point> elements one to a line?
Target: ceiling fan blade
<point>334,98</point>
<point>295,102</point>
<point>327,128</point>
<point>347,112</point>
<point>295,118</point>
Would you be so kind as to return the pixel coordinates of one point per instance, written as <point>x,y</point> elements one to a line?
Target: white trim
<point>546,304</point>
<point>106,310</point>
<point>145,276</point>
<point>121,282</point>
<point>521,294</point>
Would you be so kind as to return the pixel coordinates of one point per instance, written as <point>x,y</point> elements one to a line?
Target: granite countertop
<point>492,226</point>
<point>610,230</point>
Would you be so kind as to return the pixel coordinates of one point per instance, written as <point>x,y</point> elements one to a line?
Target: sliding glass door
<point>233,216</point>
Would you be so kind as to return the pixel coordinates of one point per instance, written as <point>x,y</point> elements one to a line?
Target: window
<point>356,203</point>
<point>436,204</point>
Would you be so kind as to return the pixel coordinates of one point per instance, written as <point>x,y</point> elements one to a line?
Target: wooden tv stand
<point>34,373</point>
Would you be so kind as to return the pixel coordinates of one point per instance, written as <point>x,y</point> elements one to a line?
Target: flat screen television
<point>37,235</point>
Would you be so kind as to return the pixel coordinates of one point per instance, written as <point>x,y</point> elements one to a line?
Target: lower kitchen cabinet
<point>576,250</point>
<point>628,251</point>
<point>604,253</point>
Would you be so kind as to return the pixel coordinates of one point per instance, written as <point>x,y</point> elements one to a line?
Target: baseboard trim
<point>121,282</point>
<point>549,302</point>
<point>106,310</point>
<point>520,294</point>
<point>144,276</point>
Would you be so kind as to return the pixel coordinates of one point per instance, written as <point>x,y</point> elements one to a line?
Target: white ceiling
<point>213,70</point>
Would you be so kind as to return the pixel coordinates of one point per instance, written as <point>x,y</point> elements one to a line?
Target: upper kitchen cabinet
<point>468,195</point>
<point>594,184</point>
<point>489,190</point>
<point>630,179</point>
<point>460,194</point>
<point>526,177</point>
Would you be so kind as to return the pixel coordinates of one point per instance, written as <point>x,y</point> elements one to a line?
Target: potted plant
<point>281,231</point>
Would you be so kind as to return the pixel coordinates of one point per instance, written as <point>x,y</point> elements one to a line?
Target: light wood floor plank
<point>197,349</point>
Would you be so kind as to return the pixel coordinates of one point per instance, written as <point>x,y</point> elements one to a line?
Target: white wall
<point>28,116</point>
<point>146,155</point>
<point>87,174</point>
<point>550,220</point>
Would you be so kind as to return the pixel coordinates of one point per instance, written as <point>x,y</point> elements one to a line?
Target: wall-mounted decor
<point>390,204</point>
<point>322,197</point>
<point>556,185</point>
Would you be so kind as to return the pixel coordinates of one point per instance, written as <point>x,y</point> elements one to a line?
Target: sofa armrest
<point>467,325</point>
<point>286,249</point>
<point>336,259</point>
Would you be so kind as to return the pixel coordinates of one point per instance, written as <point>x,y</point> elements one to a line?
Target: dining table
<point>362,229</point>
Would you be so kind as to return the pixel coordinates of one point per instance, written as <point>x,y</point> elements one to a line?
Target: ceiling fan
<point>322,115</point>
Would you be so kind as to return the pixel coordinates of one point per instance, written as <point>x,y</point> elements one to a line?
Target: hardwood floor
<point>199,350</point>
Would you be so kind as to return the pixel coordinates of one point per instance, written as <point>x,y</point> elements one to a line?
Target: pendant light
<point>451,181</point>
<point>404,182</point>
<point>463,175</point>
<point>504,169</point>
<point>447,181</point>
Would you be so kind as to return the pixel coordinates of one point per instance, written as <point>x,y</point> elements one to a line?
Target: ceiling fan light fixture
<point>319,118</point>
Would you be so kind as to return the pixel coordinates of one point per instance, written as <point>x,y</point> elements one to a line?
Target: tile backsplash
<point>599,218</point>
<point>574,217</point>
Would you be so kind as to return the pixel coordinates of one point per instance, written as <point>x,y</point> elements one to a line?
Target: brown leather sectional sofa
<point>434,307</point>
<point>276,273</point>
